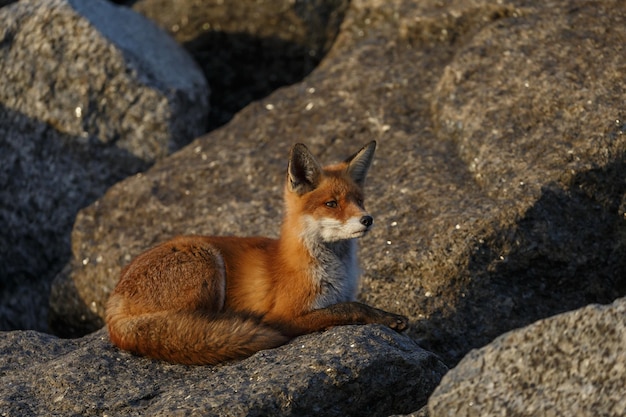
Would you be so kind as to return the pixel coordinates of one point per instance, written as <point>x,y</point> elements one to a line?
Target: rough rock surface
<point>571,364</point>
<point>117,79</point>
<point>89,94</point>
<point>497,189</point>
<point>367,368</point>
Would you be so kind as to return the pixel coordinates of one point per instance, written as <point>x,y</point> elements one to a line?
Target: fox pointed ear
<point>304,172</point>
<point>359,163</point>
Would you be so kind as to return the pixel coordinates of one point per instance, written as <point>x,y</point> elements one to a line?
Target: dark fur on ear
<point>359,163</point>
<point>304,171</point>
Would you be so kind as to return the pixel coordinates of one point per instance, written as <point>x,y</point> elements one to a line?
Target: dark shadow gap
<point>241,68</point>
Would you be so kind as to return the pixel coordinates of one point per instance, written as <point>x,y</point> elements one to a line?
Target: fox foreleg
<point>343,314</point>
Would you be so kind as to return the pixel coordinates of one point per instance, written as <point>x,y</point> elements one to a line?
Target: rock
<point>422,412</point>
<point>495,204</point>
<point>248,48</point>
<point>90,93</point>
<point>350,370</point>
<point>570,364</point>
<point>147,96</point>
<point>531,108</point>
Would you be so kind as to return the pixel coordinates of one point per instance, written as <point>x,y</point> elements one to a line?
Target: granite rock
<point>570,364</point>
<point>351,370</point>
<point>101,72</point>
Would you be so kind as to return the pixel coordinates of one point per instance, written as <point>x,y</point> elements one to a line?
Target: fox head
<point>327,202</point>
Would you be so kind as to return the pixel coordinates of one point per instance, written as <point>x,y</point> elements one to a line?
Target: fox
<point>206,300</point>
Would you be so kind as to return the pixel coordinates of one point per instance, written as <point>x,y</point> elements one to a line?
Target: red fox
<point>207,300</point>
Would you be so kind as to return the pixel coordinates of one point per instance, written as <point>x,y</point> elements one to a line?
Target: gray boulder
<point>530,107</point>
<point>572,364</point>
<point>101,72</point>
<point>351,370</point>
<point>90,93</point>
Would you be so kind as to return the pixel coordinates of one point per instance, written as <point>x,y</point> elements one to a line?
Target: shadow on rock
<point>567,251</point>
<point>247,51</point>
<point>65,300</point>
<point>241,68</point>
<point>45,178</point>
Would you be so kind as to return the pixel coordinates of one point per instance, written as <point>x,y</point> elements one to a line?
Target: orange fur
<point>206,300</point>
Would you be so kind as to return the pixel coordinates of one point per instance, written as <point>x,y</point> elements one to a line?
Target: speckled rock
<point>117,79</point>
<point>352,370</point>
<point>89,94</point>
<point>571,364</point>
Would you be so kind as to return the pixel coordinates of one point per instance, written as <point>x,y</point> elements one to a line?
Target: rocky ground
<point>498,192</point>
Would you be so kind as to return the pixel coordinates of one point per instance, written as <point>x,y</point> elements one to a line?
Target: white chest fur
<point>336,272</point>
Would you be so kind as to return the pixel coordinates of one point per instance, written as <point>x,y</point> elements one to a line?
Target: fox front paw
<point>397,322</point>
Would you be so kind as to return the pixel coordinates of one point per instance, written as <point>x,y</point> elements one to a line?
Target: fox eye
<point>331,204</point>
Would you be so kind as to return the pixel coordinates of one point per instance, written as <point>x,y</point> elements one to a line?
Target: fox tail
<point>189,337</point>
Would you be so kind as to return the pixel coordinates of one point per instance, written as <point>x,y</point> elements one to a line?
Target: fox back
<point>206,299</point>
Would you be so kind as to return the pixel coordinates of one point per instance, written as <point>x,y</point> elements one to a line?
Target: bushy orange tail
<point>189,337</point>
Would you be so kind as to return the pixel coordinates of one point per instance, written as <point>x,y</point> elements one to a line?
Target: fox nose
<point>367,221</point>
